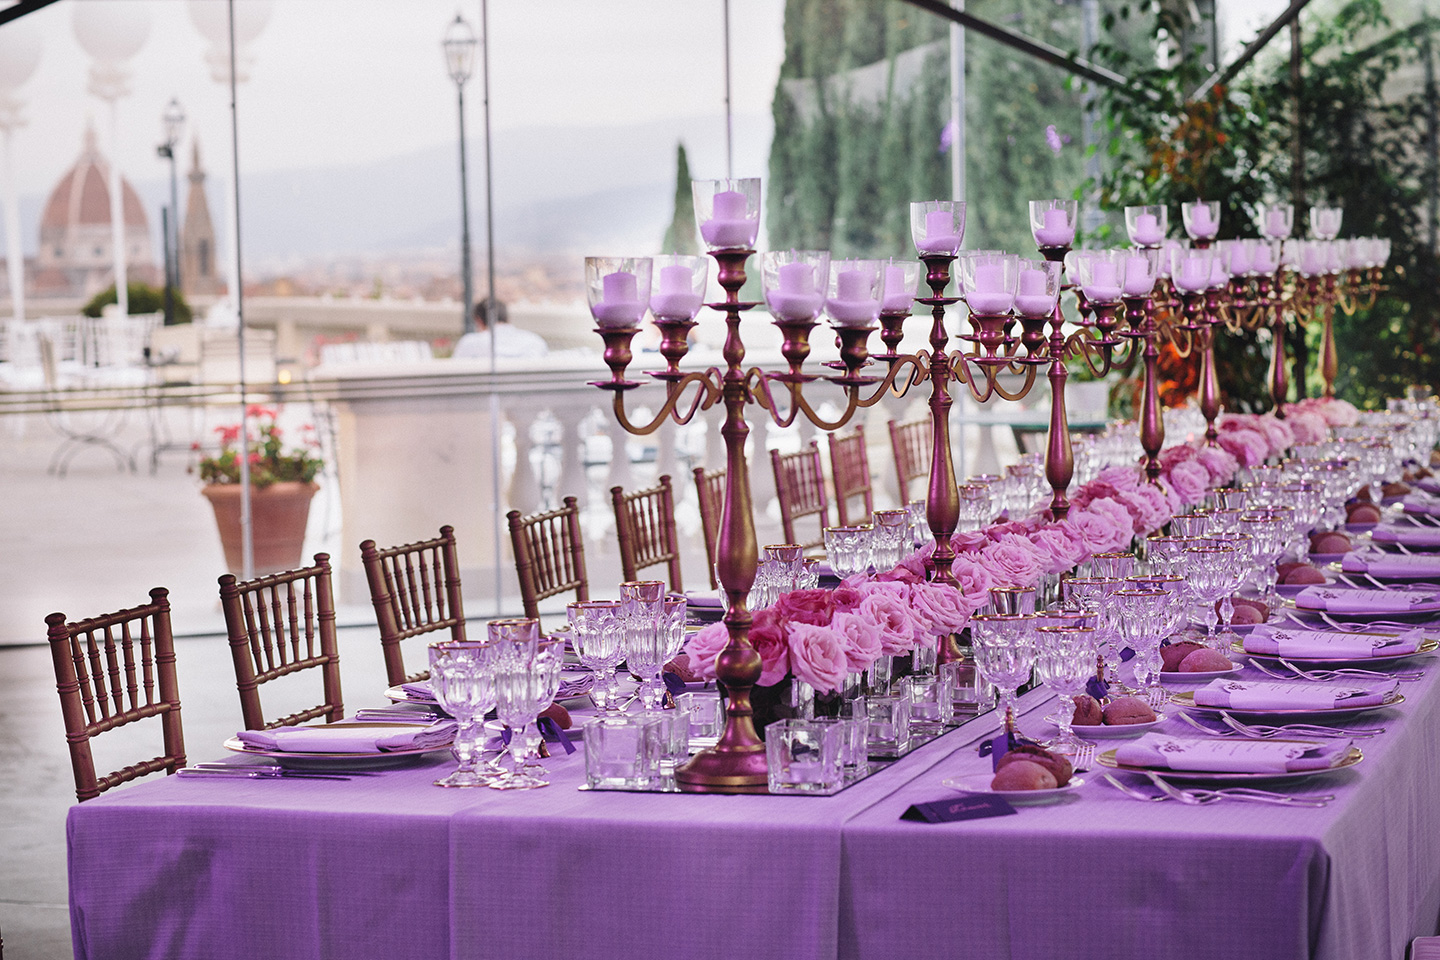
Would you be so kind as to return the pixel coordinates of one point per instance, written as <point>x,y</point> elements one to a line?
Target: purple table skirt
<point>389,865</point>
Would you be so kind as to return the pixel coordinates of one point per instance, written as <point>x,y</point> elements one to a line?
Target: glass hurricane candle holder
<point>1190,269</point>
<point>1310,258</point>
<point>1101,275</point>
<point>679,286</point>
<point>1265,257</point>
<point>1276,220</point>
<point>1146,225</point>
<point>1325,222</point>
<point>1201,218</point>
<point>618,290</point>
<point>1052,223</point>
<point>1238,255</point>
<point>988,282</point>
<point>1167,253</point>
<point>853,292</point>
<point>1219,273</point>
<point>794,283</point>
<point>937,227</point>
<point>1142,268</point>
<point>1038,288</point>
<point>901,279</point>
<point>727,212</point>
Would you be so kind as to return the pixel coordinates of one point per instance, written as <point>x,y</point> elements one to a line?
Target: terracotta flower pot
<point>278,516</point>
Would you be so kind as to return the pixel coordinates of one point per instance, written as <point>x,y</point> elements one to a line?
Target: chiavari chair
<point>549,554</point>
<point>850,468</point>
<point>800,485</point>
<point>415,588</point>
<point>645,523</point>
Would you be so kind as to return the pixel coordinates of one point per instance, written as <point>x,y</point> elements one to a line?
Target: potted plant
<point>282,483</point>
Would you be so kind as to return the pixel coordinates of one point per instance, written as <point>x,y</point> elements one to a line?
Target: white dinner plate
<point>334,761</point>
<point>1428,645</point>
<point>1114,731</point>
<point>980,783</point>
<point>1187,700</point>
<point>1349,759</point>
<point>1289,590</point>
<point>1177,676</point>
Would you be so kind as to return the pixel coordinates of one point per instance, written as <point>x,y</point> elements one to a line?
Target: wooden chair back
<point>549,554</point>
<point>645,523</point>
<point>113,670</point>
<point>800,483</point>
<point>278,625</point>
<point>913,443</point>
<point>415,588</point>
<point>710,485</point>
<point>850,468</point>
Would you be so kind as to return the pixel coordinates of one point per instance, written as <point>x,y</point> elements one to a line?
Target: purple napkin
<point>1378,563</point>
<point>1353,600</point>
<point>1287,695</point>
<point>1160,752</point>
<point>1424,538</point>
<point>419,691</point>
<point>351,737</point>
<point>1273,641</point>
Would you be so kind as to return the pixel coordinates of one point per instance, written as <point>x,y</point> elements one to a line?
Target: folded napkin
<point>419,691</point>
<point>351,737</point>
<point>1378,563</point>
<point>1420,502</point>
<point>1284,695</point>
<point>704,598</point>
<point>1329,644</point>
<point>573,683</point>
<point>1230,756</point>
<point>1409,535</point>
<point>1334,599</point>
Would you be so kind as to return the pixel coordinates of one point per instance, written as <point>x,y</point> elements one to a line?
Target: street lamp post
<point>174,120</point>
<point>459,46</point>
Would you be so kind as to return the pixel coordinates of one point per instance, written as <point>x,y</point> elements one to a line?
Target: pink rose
<point>940,606</point>
<point>1246,446</point>
<point>1190,480</point>
<point>767,636</point>
<point>1122,477</point>
<point>1013,561</point>
<point>1179,453</point>
<point>1308,426</point>
<point>915,563</point>
<point>1148,506</point>
<point>1092,491</point>
<point>1280,436</point>
<point>996,531</point>
<point>860,638</point>
<point>846,597</point>
<point>892,617</point>
<point>704,646</point>
<point>817,656</point>
<point>1219,463</point>
<point>1059,548</point>
<point>806,606</point>
<point>1338,413</point>
<point>1115,511</point>
<point>973,580</point>
<point>971,541</point>
<point>1102,532</point>
<point>1231,422</point>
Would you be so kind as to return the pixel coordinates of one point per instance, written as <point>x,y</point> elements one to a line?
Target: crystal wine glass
<point>1208,566</point>
<point>848,549</point>
<point>646,637</point>
<point>1004,654</point>
<point>595,629</point>
<point>1140,611</point>
<point>1119,565</point>
<point>1093,594</point>
<point>1237,569</point>
<point>522,690</point>
<point>1267,532</point>
<point>463,680</point>
<point>1065,662</point>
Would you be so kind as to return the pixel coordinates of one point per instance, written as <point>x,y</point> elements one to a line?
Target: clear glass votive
<point>930,705</point>
<point>850,731</point>
<point>803,756</point>
<point>970,693</point>
<point>621,752</point>
<point>672,742</point>
<point>889,727</point>
<point>707,716</point>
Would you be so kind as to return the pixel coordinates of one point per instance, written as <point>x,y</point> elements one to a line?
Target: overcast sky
<point>338,81</point>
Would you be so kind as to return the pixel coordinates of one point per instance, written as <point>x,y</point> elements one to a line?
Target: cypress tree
<point>680,235</point>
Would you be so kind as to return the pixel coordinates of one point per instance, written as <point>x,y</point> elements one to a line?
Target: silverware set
<point>1264,732</point>
<point>1324,675</point>
<point>262,771</point>
<point>1202,797</point>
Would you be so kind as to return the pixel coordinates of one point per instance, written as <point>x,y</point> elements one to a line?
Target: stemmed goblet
<point>462,676</point>
<point>1093,594</point>
<point>848,549</point>
<point>1237,568</point>
<point>1065,662</point>
<point>523,689</point>
<point>595,631</point>
<point>1119,565</point>
<point>1208,566</point>
<point>1004,654</point>
<point>1139,611</point>
<point>1267,533</point>
<point>646,637</point>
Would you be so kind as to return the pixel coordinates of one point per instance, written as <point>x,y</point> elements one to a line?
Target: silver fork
<point>1185,717</point>
<point>1332,674</point>
<point>1134,794</point>
<point>1265,732</point>
<point>1242,794</point>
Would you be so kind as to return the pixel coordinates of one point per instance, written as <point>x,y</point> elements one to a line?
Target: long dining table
<point>388,865</point>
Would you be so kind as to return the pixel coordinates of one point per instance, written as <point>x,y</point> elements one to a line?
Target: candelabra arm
<point>1019,394</point>
<point>1279,378</point>
<point>1209,384</point>
<point>1059,457</point>
<point>893,384</point>
<point>1329,359</point>
<point>705,397</point>
<point>1152,420</point>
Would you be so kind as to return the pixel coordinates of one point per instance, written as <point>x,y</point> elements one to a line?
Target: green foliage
<point>1365,147</point>
<point>680,235</point>
<point>270,462</point>
<point>143,299</point>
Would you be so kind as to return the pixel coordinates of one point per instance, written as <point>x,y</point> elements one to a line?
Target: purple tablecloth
<point>390,865</point>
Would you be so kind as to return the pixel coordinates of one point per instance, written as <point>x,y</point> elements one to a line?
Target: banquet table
<point>389,865</point>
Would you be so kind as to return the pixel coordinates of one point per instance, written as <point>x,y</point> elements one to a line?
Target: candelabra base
<point>722,770</point>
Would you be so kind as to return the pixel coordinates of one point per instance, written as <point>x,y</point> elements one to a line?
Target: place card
<point>964,808</point>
